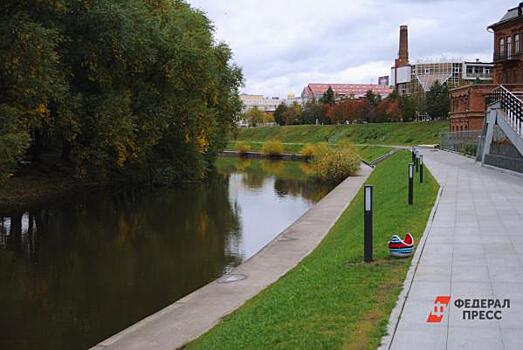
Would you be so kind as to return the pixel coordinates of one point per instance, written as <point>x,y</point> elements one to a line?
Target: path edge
<point>395,316</point>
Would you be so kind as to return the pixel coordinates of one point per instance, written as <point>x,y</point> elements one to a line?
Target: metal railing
<point>466,142</point>
<point>512,105</point>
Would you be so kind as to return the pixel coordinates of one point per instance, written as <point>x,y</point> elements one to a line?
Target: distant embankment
<point>378,133</point>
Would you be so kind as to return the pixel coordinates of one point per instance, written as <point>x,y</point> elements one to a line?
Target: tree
<point>279,114</point>
<point>438,101</point>
<point>407,106</point>
<point>328,97</point>
<point>254,117</point>
<point>116,86</point>
<point>293,114</point>
<point>372,103</point>
<point>314,111</point>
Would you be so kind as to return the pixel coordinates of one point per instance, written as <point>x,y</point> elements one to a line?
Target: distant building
<point>467,103</point>
<point>316,91</point>
<point>291,99</point>
<point>508,67</point>
<point>264,104</point>
<point>383,81</point>
<point>408,78</point>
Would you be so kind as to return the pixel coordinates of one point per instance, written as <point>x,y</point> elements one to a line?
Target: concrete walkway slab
<point>472,249</point>
<point>198,312</point>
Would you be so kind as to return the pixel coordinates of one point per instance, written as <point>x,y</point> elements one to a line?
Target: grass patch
<point>331,300</point>
<point>367,153</point>
<point>377,133</point>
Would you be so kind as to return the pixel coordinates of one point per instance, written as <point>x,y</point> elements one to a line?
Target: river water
<point>75,271</point>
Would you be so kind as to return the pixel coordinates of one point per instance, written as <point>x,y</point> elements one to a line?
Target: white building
<point>264,104</point>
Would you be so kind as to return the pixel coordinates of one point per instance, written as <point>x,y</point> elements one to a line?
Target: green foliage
<point>314,112</point>
<point>273,148</point>
<point>12,141</point>
<point>279,114</point>
<point>242,147</point>
<point>336,164</point>
<point>254,117</point>
<point>437,102</point>
<point>328,97</point>
<point>119,85</point>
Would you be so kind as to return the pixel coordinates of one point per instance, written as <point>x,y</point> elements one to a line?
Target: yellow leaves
<point>202,142</point>
<point>121,154</point>
<point>42,109</point>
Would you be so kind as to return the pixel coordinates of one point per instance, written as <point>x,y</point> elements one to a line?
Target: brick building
<point>467,103</point>
<point>508,67</point>
<point>467,106</point>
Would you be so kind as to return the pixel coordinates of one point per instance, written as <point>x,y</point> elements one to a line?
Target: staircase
<point>502,143</point>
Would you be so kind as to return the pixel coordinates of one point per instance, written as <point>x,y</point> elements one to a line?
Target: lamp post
<point>421,169</point>
<point>411,183</point>
<point>367,219</point>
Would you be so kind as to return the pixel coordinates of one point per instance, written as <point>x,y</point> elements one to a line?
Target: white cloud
<point>283,45</point>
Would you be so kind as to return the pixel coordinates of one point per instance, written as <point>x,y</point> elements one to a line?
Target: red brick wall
<point>508,71</point>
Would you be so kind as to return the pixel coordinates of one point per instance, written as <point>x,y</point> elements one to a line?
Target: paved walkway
<point>472,249</point>
<point>196,313</point>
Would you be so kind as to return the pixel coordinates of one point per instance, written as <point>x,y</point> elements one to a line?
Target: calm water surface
<point>76,271</point>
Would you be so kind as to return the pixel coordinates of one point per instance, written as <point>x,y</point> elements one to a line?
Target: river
<point>75,271</point>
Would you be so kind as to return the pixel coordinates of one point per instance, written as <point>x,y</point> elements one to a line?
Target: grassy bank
<point>381,133</point>
<point>331,300</point>
<point>367,153</point>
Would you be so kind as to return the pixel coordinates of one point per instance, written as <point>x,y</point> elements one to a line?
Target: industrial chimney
<point>403,55</point>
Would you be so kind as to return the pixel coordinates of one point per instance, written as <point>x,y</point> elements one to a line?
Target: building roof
<point>511,14</point>
<point>345,89</point>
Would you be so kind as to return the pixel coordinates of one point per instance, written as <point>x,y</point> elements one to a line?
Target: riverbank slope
<point>331,300</point>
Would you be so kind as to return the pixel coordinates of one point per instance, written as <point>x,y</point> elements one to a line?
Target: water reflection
<point>76,271</point>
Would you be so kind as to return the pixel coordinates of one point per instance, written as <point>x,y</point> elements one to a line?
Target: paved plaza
<point>472,252</point>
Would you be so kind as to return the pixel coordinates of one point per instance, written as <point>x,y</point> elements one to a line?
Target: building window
<point>509,47</point>
<point>502,48</point>
<point>517,44</point>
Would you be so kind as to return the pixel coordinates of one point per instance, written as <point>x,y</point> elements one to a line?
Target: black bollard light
<point>417,161</point>
<point>411,183</point>
<point>367,219</point>
<point>413,154</point>
<point>421,169</point>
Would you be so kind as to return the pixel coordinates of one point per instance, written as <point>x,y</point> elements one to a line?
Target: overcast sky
<point>282,45</point>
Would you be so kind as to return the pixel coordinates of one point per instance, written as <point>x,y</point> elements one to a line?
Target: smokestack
<point>403,55</point>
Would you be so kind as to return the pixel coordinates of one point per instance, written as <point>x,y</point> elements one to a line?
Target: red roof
<point>317,90</point>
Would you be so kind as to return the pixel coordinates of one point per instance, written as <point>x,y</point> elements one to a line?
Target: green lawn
<point>331,300</point>
<point>367,153</point>
<point>379,133</point>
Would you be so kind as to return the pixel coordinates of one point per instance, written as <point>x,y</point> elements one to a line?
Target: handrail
<point>512,106</point>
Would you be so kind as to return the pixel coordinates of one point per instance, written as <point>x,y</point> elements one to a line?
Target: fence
<point>466,142</point>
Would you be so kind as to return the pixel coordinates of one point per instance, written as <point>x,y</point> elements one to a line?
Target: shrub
<point>307,151</point>
<point>272,148</point>
<point>315,150</point>
<point>242,147</point>
<point>336,164</point>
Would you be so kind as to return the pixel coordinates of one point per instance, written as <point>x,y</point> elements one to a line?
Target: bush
<point>13,142</point>
<point>242,147</point>
<point>315,150</point>
<point>272,148</point>
<point>336,164</point>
